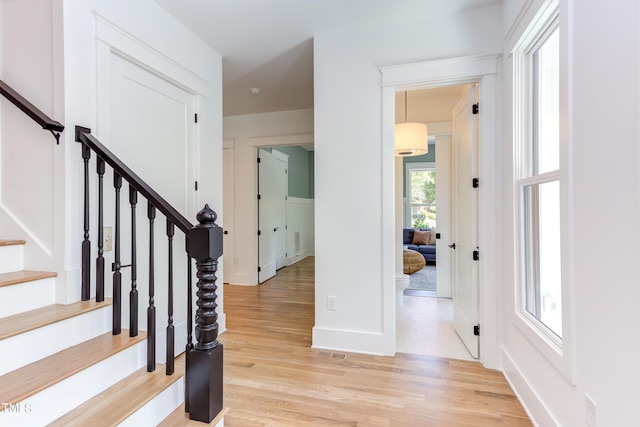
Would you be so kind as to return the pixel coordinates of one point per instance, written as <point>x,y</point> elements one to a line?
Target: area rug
<point>422,283</point>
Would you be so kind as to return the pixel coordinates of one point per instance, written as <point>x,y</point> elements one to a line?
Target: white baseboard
<point>529,399</point>
<point>350,341</point>
<point>299,256</point>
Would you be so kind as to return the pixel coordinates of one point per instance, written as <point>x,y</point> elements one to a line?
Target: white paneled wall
<point>300,229</point>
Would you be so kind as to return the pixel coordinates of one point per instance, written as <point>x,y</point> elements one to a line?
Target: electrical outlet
<point>589,411</point>
<point>108,239</point>
<point>331,303</point>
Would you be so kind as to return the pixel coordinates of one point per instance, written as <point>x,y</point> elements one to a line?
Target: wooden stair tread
<point>15,277</point>
<point>24,382</point>
<point>7,242</point>
<point>179,418</point>
<point>34,319</point>
<point>117,403</point>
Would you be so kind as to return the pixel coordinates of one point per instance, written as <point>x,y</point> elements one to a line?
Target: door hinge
<point>476,255</point>
<point>259,233</point>
<point>476,330</point>
<point>196,117</point>
<point>258,159</point>
<point>475,182</point>
<point>258,197</point>
<point>259,269</point>
<point>475,108</point>
<point>196,186</point>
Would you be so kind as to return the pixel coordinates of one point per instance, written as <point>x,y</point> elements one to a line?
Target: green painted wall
<point>300,171</point>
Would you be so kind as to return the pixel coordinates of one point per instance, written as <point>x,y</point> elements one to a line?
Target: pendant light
<point>411,139</point>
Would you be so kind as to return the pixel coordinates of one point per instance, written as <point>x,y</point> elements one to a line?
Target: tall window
<point>421,192</point>
<point>539,183</point>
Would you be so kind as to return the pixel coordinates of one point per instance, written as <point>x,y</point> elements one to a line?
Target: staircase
<point>49,376</point>
<point>74,364</point>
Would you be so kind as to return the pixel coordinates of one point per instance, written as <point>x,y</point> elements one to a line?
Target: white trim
<point>482,69</point>
<point>146,56</point>
<point>530,400</point>
<point>442,72</point>
<point>559,352</point>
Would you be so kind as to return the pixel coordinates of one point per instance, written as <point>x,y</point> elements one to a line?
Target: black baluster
<point>117,276</point>
<point>86,244</point>
<point>170,327</point>
<point>206,358</point>
<point>151,311</point>
<point>100,259</point>
<point>133,294</point>
<point>189,326</point>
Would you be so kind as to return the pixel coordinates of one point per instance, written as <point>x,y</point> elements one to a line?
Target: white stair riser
<point>158,408</point>
<point>11,258</point>
<point>27,296</point>
<point>55,401</point>
<point>20,350</point>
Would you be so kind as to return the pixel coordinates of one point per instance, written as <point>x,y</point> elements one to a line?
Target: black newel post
<point>204,377</point>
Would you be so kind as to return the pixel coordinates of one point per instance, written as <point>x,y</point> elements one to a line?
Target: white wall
<point>50,53</point>
<point>601,117</point>
<point>242,135</point>
<point>300,229</point>
<point>350,264</point>
<point>30,61</point>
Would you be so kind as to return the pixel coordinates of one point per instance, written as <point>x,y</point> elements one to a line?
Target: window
<point>537,89</point>
<point>421,195</point>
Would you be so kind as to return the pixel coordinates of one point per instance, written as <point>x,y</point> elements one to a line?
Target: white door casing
<point>483,69</point>
<point>465,223</point>
<point>443,227</point>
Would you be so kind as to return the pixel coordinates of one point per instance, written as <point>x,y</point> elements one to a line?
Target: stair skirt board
<point>11,259</point>
<point>158,408</point>
<point>47,340</point>
<point>55,401</point>
<point>27,296</point>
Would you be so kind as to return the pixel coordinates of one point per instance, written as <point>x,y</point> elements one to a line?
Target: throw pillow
<point>421,237</point>
<point>432,239</point>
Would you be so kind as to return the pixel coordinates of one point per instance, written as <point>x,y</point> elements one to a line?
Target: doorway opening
<point>285,208</point>
<point>426,315</point>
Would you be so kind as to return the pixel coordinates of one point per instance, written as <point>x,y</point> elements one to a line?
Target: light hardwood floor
<point>274,378</point>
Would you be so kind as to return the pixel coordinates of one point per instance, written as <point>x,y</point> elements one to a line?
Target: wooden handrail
<point>32,111</point>
<point>83,135</point>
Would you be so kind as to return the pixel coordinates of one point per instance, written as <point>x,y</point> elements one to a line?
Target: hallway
<point>273,377</point>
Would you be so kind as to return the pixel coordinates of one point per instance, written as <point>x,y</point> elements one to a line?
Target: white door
<point>443,227</point>
<point>228,202</point>
<point>152,131</point>
<point>465,223</point>
<point>267,209</point>
<point>150,126</point>
<point>281,185</point>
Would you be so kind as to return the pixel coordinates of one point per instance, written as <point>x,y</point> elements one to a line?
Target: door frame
<point>483,70</point>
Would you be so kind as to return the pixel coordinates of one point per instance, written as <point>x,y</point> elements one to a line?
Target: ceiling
<point>268,44</point>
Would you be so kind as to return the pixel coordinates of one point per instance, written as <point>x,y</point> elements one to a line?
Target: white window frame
<point>559,351</point>
<point>409,167</point>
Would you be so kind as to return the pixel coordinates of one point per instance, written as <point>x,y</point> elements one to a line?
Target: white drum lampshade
<point>412,139</point>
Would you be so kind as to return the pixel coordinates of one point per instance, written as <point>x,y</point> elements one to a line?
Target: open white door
<point>281,185</point>
<point>267,205</point>
<point>465,220</point>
